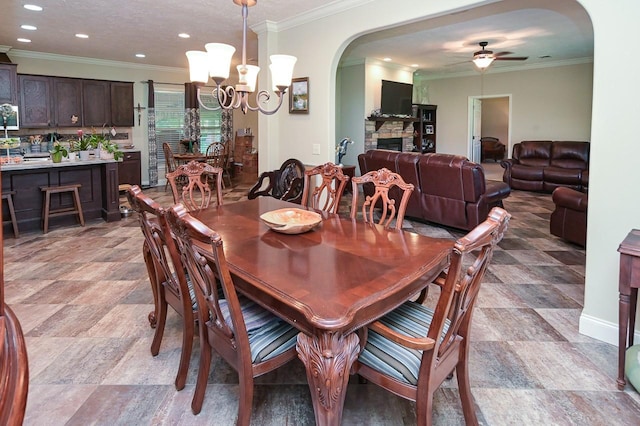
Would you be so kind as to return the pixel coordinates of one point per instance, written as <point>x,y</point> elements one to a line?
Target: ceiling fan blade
<point>512,58</point>
<point>502,54</point>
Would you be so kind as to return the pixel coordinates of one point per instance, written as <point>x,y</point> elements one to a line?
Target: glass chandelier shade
<point>483,61</point>
<point>216,63</point>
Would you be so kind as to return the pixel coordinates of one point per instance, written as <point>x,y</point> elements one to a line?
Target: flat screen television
<point>397,98</point>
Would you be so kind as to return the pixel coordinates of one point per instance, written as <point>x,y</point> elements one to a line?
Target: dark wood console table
<point>628,286</point>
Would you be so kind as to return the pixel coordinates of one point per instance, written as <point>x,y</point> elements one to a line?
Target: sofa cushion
<point>570,155</point>
<point>534,153</point>
<point>519,171</point>
<point>561,175</point>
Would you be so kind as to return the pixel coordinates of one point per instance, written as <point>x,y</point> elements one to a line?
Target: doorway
<point>488,116</point>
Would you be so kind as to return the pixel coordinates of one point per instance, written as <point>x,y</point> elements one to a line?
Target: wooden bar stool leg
<point>76,201</point>
<point>12,212</point>
<point>45,212</point>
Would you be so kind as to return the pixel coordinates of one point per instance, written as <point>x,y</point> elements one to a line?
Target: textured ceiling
<point>543,30</point>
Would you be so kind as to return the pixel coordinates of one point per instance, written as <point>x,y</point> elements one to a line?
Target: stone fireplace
<point>388,133</point>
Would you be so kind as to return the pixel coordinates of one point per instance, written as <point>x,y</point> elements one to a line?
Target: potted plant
<point>58,152</point>
<point>83,147</point>
<point>111,149</point>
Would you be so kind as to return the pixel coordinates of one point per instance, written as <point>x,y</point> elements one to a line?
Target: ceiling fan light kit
<point>483,58</point>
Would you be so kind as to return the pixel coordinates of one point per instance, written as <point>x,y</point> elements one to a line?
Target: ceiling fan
<point>483,58</point>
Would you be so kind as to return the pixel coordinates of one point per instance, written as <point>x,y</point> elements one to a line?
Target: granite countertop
<point>45,164</point>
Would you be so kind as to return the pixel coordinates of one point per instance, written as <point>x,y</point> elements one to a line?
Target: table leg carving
<point>623,322</point>
<point>328,358</point>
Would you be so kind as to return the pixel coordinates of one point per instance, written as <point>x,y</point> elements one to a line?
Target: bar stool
<point>47,212</point>
<point>9,197</point>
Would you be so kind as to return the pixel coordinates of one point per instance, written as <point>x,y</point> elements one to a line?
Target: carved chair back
<point>383,180</point>
<point>223,315</point>
<point>286,183</point>
<point>327,195</point>
<point>196,192</point>
<point>218,156</point>
<point>169,281</point>
<point>169,161</point>
<point>432,343</point>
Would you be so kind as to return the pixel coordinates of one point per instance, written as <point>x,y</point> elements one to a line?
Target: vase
<point>56,157</point>
<point>72,156</point>
<point>84,155</point>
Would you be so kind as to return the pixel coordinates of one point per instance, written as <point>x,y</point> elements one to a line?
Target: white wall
<point>548,103</point>
<point>613,129</point>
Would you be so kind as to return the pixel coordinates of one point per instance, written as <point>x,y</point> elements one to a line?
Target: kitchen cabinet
<point>67,101</point>
<point>121,104</point>
<point>35,100</point>
<point>96,103</point>
<point>8,84</point>
<point>129,171</point>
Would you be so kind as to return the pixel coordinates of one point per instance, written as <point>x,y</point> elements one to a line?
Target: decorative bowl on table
<point>9,143</point>
<point>291,220</point>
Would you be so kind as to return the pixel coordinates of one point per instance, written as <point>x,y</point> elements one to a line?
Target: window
<point>169,105</point>
<point>210,121</point>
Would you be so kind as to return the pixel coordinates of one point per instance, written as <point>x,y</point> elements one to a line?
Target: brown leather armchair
<point>569,219</point>
<point>492,148</point>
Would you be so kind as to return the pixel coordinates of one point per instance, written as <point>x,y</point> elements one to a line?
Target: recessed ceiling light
<point>82,35</point>
<point>415,65</point>
<point>387,59</point>
<point>24,40</point>
<point>184,35</point>
<point>140,55</point>
<point>33,7</point>
<point>28,27</point>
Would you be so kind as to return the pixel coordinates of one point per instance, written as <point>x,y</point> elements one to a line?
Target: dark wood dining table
<point>190,156</point>
<point>328,283</point>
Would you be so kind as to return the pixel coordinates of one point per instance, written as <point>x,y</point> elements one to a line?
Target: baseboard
<point>602,330</point>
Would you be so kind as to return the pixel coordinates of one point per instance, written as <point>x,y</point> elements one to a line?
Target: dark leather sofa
<point>449,189</point>
<point>491,148</point>
<point>546,165</point>
<point>569,219</point>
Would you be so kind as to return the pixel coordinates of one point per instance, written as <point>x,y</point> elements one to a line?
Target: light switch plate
<point>316,149</point>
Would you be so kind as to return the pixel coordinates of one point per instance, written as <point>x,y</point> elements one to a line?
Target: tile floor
<point>82,296</point>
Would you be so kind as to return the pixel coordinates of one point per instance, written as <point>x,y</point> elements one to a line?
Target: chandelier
<point>216,61</point>
<point>483,60</point>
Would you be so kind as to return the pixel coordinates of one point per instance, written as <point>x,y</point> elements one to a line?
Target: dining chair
<point>196,192</point>
<point>170,284</point>
<point>285,183</point>
<point>413,349</point>
<point>251,339</point>
<point>169,161</point>
<point>217,156</point>
<point>384,181</point>
<point>327,195</point>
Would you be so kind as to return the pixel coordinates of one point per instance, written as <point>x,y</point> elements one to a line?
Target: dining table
<point>189,156</point>
<point>329,283</point>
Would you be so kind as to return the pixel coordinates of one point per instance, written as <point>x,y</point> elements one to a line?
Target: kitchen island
<point>98,195</point>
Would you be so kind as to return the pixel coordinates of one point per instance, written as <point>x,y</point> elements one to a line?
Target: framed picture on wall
<point>299,96</point>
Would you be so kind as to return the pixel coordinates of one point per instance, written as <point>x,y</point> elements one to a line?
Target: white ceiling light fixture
<point>33,7</point>
<point>82,35</point>
<point>140,55</point>
<point>216,61</point>
<point>483,58</point>
<point>28,27</point>
<point>24,40</point>
<point>184,35</point>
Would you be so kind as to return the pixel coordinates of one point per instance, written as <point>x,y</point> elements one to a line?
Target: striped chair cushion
<point>393,359</point>
<point>192,292</point>
<point>268,335</point>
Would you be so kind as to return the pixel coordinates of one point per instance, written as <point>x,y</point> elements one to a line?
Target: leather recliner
<point>569,219</point>
<point>449,189</point>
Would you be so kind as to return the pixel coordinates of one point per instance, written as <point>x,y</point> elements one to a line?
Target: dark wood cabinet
<point>67,101</point>
<point>8,84</point>
<point>96,103</point>
<point>35,100</point>
<point>425,129</point>
<point>121,104</point>
<point>129,169</point>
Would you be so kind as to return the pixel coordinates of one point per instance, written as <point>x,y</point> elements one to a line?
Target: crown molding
<point>329,9</point>
<point>91,61</point>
